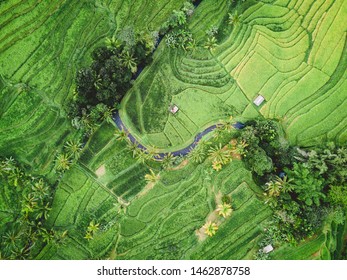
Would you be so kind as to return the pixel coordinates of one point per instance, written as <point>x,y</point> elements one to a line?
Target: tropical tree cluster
<point>24,211</point>
<point>101,86</point>
<point>71,152</point>
<point>302,186</point>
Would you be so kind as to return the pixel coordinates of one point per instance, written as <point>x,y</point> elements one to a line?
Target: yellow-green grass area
<point>295,52</point>
<point>291,52</point>
<point>326,245</point>
<point>162,223</point>
<point>42,46</point>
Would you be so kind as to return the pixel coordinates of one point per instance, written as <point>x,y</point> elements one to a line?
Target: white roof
<point>174,109</point>
<point>260,99</point>
<point>268,249</point>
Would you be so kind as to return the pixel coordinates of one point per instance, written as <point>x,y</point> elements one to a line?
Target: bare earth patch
<point>146,189</point>
<point>101,171</point>
<point>213,217</point>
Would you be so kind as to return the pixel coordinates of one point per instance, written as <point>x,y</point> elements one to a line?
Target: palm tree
<point>234,19</point>
<point>93,227</point>
<point>218,154</point>
<point>112,43</point>
<point>40,189</point>
<point>121,135</point>
<point>152,177</point>
<point>191,46</point>
<point>141,156</point>
<point>224,210</point>
<point>197,154</point>
<point>132,147</point>
<point>284,183</point>
<point>216,165</point>
<point>129,61</point>
<point>88,235</point>
<point>107,114</point>
<point>98,82</point>
<point>43,211</point>
<point>226,125</point>
<point>167,161</point>
<point>10,239</point>
<point>63,162</point>
<point>29,204</point>
<point>240,148</point>
<point>273,189</point>
<point>210,228</point>
<point>47,236</point>
<point>211,43</point>
<point>73,148</point>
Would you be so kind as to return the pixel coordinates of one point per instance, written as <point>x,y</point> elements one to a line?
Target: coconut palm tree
<point>224,210</point>
<point>73,148</point>
<point>43,211</point>
<point>167,161</point>
<point>88,235</point>
<point>129,61</point>
<point>210,228</point>
<point>107,114</point>
<point>112,43</point>
<point>240,148</point>
<point>234,19</point>
<point>191,46</point>
<point>273,189</point>
<point>216,165</point>
<point>93,227</point>
<point>121,135</point>
<point>62,162</point>
<point>141,156</point>
<point>284,183</point>
<point>40,189</point>
<point>197,154</point>
<point>226,125</point>
<point>211,43</point>
<point>152,177</point>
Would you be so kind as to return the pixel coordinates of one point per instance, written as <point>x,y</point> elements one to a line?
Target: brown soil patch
<point>213,217</point>
<point>146,189</point>
<point>101,171</point>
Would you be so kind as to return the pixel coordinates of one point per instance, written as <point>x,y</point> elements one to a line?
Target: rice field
<point>291,52</point>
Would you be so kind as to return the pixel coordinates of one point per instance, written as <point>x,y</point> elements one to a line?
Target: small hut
<point>267,249</point>
<point>259,100</point>
<point>173,109</point>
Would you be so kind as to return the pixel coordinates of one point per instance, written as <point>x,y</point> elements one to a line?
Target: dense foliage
<point>25,206</point>
<point>101,87</point>
<point>306,188</point>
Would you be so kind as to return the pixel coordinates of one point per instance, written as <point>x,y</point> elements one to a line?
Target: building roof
<point>259,99</point>
<point>268,249</point>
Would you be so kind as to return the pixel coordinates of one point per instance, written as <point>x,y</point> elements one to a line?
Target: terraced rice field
<point>163,224</point>
<point>291,52</point>
<point>42,45</point>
